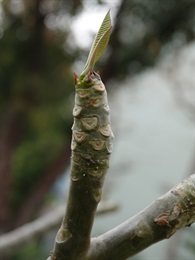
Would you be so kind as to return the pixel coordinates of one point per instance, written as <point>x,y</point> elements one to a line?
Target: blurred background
<point>148,69</point>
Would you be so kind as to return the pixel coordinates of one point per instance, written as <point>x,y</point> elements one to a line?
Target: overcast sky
<point>86,25</point>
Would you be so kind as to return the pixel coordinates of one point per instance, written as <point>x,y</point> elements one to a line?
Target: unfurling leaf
<point>99,44</point>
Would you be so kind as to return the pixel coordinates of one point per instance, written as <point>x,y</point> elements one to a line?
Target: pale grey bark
<point>91,148</point>
<point>160,220</point>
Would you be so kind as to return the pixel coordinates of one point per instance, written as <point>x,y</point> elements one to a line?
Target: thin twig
<point>19,237</point>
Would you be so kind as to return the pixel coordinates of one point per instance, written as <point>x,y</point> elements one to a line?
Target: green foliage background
<point>35,86</point>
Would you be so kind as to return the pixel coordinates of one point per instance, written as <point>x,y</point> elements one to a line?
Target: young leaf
<point>99,44</point>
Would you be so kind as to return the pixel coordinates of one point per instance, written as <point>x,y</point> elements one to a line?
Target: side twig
<point>20,236</point>
<point>160,220</point>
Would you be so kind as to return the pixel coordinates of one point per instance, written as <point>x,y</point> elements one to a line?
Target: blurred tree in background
<point>145,30</point>
<point>36,83</point>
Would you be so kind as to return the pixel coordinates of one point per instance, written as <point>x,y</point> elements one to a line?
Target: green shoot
<point>99,44</point>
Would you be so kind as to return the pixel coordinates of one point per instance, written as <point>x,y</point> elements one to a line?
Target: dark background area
<point>36,87</point>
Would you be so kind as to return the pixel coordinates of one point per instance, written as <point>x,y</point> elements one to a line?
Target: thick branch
<point>91,147</point>
<point>160,220</point>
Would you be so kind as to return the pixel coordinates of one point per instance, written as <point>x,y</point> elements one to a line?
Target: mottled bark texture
<point>160,220</point>
<point>91,147</point>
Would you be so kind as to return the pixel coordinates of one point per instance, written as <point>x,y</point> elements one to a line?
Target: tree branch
<point>91,148</point>
<point>160,220</point>
<point>19,237</point>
